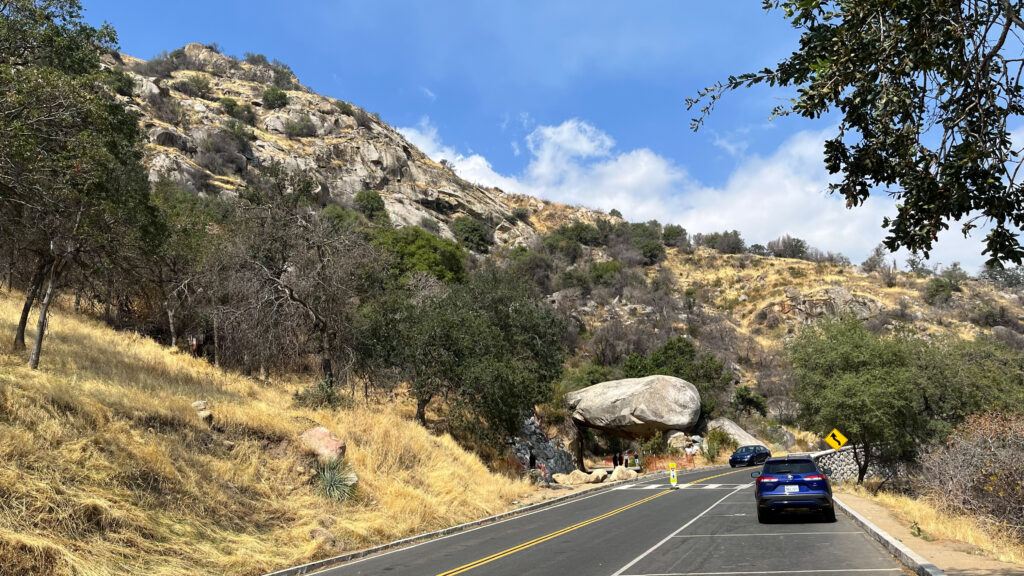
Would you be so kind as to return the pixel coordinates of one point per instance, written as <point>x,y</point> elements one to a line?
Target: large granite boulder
<point>577,477</point>
<point>637,407</point>
<point>741,436</point>
<point>621,473</point>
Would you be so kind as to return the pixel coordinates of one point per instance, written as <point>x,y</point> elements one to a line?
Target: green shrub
<point>559,245</point>
<point>430,225</point>
<point>472,234</point>
<point>163,64</point>
<point>370,204</point>
<point>521,214</point>
<point>647,239</point>
<point>301,128</point>
<point>586,234</point>
<point>575,277</point>
<point>615,213</point>
<point>240,112</point>
<point>937,291</point>
<point>283,76</point>
<point>415,250</point>
<point>121,82</point>
<point>256,59</point>
<point>605,272</point>
<point>341,220</point>
<point>675,235</point>
<point>274,98</point>
<point>323,394</point>
<point>746,400</point>
<point>196,86</point>
<point>344,107</point>
<point>715,443</point>
<point>241,133</point>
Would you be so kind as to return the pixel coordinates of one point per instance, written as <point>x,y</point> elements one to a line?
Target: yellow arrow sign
<point>835,439</point>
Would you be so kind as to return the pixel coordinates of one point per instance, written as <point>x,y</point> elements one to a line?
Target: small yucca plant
<point>336,479</point>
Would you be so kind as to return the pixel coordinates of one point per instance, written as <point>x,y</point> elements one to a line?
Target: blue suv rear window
<point>789,467</point>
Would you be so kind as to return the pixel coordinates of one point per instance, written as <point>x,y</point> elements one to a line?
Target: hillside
<point>211,131</point>
<point>196,141</point>
<point>105,467</point>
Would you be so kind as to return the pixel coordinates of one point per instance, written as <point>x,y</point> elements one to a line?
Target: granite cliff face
<point>196,141</point>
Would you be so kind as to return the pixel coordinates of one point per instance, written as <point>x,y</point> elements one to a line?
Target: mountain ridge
<point>344,147</point>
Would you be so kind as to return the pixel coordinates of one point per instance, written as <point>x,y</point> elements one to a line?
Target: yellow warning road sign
<point>672,474</point>
<point>835,439</point>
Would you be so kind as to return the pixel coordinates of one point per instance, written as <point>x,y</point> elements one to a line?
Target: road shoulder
<point>954,558</point>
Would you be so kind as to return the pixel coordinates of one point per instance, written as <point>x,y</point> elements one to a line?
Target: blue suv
<point>749,456</point>
<point>792,482</point>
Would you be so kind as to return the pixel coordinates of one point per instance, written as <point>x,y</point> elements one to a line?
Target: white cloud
<point>516,151</point>
<point>472,167</point>
<point>732,145</point>
<point>766,196</point>
<point>428,93</point>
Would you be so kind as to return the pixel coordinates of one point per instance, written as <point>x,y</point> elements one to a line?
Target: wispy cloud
<point>428,93</point>
<point>733,145</point>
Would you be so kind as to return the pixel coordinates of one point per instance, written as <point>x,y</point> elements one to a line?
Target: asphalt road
<point>708,527</point>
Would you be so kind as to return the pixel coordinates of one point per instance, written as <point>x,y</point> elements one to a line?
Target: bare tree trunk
<point>44,309</point>
<point>170,323</point>
<point>78,301</point>
<point>33,291</point>
<point>216,344</point>
<point>326,366</point>
<point>421,409</point>
<point>862,464</point>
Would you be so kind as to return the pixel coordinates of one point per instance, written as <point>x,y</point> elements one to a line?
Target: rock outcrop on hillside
<point>737,433</point>
<point>194,141</point>
<point>637,407</point>
<point>535,450</point>
<point>826,302</point>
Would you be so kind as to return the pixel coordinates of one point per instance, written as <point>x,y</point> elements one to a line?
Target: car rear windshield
<point>789,467</point>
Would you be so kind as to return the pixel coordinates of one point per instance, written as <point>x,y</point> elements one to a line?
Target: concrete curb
<point>908,557</point>
<point>319,564</point>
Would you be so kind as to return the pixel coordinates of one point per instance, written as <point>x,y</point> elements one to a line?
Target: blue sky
<point>580,102</point>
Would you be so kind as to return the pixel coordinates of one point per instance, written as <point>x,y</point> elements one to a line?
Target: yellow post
<point>672,474</point>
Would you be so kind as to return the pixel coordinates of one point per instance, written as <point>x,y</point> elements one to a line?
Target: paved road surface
<point>708,527</point>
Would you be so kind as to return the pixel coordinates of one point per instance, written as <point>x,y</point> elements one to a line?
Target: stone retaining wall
<point>840,462</point>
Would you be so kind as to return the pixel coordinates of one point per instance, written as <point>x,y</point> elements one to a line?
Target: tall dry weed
<point>105,468</point>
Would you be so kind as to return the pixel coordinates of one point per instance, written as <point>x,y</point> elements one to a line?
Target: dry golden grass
<point>105,468</point>
<point>939,524</point>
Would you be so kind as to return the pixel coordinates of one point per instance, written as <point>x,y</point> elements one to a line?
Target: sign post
<point>835,439</point>
<point>672,475</point>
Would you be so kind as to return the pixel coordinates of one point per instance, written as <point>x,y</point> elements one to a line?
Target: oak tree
<point>927,91</point>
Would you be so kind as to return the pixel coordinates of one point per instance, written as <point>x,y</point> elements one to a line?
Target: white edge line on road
<point>475,528</point>
<point>766,534</point>
<point>858,570</point>
<point>669,537</point>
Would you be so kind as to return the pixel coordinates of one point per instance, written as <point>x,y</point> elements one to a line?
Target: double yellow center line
<point>545,538</point>
<point>536,541</point>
